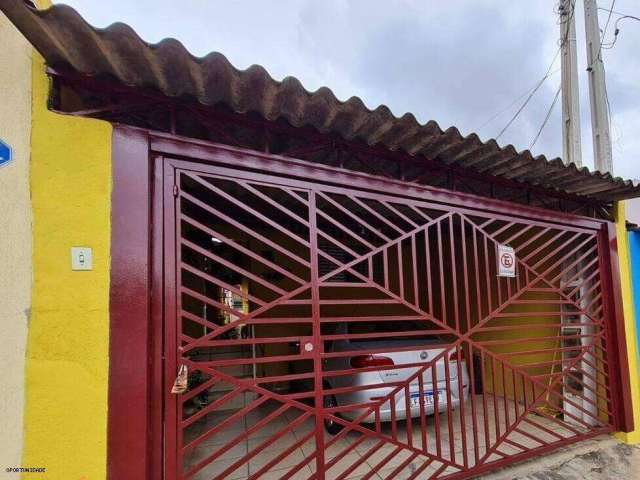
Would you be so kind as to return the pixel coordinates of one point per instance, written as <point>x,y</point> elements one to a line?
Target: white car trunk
<point>416,356</point>
<point>422,354</point>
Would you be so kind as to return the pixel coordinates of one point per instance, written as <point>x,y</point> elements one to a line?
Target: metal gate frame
<point>135,394</point>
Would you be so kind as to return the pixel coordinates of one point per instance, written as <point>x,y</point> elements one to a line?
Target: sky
<point>461,63</point>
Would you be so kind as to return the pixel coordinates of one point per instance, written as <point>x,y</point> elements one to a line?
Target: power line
<point>606,25</point>
<point>500,112</point>
<point>609,46</point>
<point>604,33</point>
<point>572,5</point>
<point>526,102</point>
<point>616,30</point>
<point>610,10</point>
<point>606,98</point>
<point>546,118</point>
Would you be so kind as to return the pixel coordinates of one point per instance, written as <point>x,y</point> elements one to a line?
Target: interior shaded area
<point>357,334</point>
<point>443,167</point>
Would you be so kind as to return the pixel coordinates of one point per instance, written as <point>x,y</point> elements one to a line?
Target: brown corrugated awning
<point>67,41</point>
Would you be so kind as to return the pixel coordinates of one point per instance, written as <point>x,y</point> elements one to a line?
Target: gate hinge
<point>175,190</point>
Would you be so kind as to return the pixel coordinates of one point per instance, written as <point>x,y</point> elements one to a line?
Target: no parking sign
<point>506,261</point>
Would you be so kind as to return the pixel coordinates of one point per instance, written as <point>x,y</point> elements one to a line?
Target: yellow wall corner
<point>629,322</point>
<point>67,349</point>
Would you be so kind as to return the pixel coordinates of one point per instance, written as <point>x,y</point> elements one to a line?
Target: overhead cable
<point>572,5</point>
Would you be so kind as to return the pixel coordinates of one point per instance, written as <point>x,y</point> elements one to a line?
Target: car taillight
<point>363,361</point>
<point>454,356</point>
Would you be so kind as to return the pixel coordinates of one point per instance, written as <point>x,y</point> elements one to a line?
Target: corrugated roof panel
<point>64,38</point>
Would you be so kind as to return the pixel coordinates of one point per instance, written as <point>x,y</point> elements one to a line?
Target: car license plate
<point>428,398</point>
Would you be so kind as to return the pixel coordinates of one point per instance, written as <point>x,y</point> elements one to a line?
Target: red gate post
<point>134,442</point>
<point>617,345</point>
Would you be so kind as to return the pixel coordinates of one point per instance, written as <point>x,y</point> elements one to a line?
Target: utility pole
<point>597,91</point>
<point>571,145</point>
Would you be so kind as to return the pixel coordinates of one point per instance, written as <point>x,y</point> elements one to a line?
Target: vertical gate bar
<point>452,452</point>
<point>465,272</point>
<point>385,268</point>
<point>423,415</point>
<point>394,426</point>
<point>505,400</point>
<point>414,265</point>
<point>436,410</point>
<point>178,317</point>
<point>454,275</point>
<point>370,267</point>
<point>428,269</point>
<point>318,346</point>
<point>463,422</point>
<point>485,412</point>
<point>443,300</point>
<point>377,420</point>
<point>472,395</point>
<point>477,276</point>
<point>171,242</point>
<point>487,274</point>
<point>515,394</point>
<point>495,399</point>
<point>160,257</point>
<point>401,270</point>
<point>408,416</point>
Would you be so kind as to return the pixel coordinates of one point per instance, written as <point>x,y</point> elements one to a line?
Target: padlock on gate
<point>181,383</point>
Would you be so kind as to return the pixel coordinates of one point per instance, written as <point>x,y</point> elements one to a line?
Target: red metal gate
<point>354,306</point>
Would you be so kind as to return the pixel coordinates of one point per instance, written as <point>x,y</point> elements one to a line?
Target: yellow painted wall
<point>629,323</point>
<point>15,238</point>
<point>67,352</point>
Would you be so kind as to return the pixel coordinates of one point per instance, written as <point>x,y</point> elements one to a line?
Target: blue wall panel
<point>634,250</point>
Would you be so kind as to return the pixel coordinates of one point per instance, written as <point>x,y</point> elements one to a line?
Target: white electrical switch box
<point>81,258</point>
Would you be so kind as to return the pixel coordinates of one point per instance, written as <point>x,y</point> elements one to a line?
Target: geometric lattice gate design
<point>329,332</point>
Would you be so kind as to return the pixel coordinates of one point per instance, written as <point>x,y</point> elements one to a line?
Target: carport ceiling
<point>69,44</point>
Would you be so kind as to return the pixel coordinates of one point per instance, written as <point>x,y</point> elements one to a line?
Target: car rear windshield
<point>391,330</point>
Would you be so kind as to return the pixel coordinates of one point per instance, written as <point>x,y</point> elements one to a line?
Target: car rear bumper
<point>401,411</point>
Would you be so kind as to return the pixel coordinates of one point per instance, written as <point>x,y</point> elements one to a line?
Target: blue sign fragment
<point>6,155</point>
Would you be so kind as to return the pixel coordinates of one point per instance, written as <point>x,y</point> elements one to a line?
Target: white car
<point>390,370</point>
